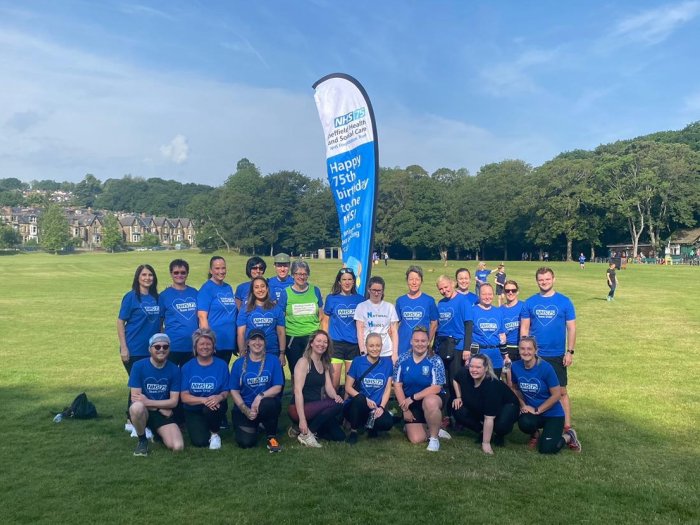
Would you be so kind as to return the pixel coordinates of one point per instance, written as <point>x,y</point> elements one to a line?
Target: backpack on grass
<point>80,408</point>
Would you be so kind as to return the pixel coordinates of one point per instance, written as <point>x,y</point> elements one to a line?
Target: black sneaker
<point>351,439</point>
<point>273,445</point>
<point>141,448</point>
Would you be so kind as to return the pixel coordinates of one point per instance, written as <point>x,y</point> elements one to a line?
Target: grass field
<point>634,389</point>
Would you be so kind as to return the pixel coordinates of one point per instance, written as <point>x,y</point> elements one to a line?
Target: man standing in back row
<point>550,318</point>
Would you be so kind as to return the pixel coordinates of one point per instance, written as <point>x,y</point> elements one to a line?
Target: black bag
<point>80,408</point>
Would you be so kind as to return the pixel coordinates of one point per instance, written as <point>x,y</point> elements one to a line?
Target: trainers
<point>534,438</point>
<point>141,448</point>
<point>128,427</point>
<point>444,434</point>
<point>351,439</point>
<point>134,434</point>
<point>293,432</point>
<point>149,435</point>
<point>308,440</point>
<point>433,445</point>
<point>273,445</point>
<point>215,442</point>
<point>574,443</point>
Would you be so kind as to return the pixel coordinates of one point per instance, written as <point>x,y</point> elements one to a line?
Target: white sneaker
<point>214,442</point>
<point>149,435</point>
<point>433,445</point>
<point>444,434</point>
<point>308,440</point>
<point>128,427</point>
<point>134,434</point>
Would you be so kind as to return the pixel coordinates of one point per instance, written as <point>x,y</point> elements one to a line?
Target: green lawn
<point>634,389</point>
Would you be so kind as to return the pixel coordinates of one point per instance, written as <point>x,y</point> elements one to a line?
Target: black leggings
<point>180,358</point>
<point>502,425</point>
<point>246,430</point>
<point>295,349</point>
<point>201,424</point>
<point>452,360</point>
<point>357,412</point>
<point>551,440</point>
<point>322,417</point>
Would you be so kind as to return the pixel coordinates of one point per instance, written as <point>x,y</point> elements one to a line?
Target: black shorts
<point>559,368</point>
<point>416,409</point>
<point>156,420</point>
<point>345,351</point>
<point>499,290</point>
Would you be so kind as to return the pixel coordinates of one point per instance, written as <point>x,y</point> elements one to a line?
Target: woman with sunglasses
<point>178,312</point>
<point>536,385</point>
<point>204,390</point>
<point>260,312</point>
<point>339,322</point>
<point>138,320</point>
<point>511,318</point>
<point>377,316</point>
<point>415,309</point>
<point>254,267</point>
<point>302,305</point>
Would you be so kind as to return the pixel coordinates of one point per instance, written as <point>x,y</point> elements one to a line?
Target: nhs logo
<point>349,117</point>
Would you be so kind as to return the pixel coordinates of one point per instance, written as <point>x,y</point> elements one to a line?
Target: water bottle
<point>58,418</point>
<point>504,372</point>
<point>370,420</point>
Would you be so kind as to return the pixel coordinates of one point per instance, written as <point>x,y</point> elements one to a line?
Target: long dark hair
<point>267,302</point>
<point>337,289</point>
<point>136,287</point>
<point>211,261</point>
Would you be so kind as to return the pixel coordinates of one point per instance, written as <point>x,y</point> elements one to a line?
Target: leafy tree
<point>87,190</point>
<point>112,238</point>
<point>9,238</point>
<point>12,183</point>
<point>150,240</point>
<point>54,232</point>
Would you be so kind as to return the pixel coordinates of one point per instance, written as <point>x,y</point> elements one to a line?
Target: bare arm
<point>570,341</point>
<point>203,317</point>
<point>524,327</point>
<point>121,334</point>
<point>361,336</point>
<point>330,390</point>
<point>169,403</point>
<point>394,335</point>
<point>240,339</point>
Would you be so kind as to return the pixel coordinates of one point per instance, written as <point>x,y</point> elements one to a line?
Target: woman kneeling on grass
<point>368,386</point>
<point>418,385</point>
<point>316,406</point>
<point>256,382</point>
<point>204,391</point>
<point>484,404</point>
<point>155,392</point>
<point>537,387</point>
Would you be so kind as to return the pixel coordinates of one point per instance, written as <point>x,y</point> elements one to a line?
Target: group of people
<point>459,363</point>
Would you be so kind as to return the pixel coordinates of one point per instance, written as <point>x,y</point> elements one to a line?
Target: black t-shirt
<point>488,398</point>
<point>611,275</point>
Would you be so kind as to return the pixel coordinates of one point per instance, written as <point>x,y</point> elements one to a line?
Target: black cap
<point>256,332</point>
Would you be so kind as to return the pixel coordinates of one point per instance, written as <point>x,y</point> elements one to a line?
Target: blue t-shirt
<point>472,298</point>
<point>414,312</point>
<point>452,313</point>
<point>178,310</point>
<point>142,320</point>
<point>481,275</point>
<point>255,381</point>
<point>548,317</point>
<point>155,383</point>
<point>277,286</point>
<point>204,381</point>
<point>340,310</point>
<point>535,383</point>
<point>265,320</point>
<point>582,259</point>
<point>488,324</point>
<point>374,383</point>
<point>218,301</point>
<point>242,291</point>
<point>501,278</point>
<point>415,377</point>
<point>511,322</point>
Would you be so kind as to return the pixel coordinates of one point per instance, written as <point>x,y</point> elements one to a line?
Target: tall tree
<point>112,237</point>
<point>54,232</point>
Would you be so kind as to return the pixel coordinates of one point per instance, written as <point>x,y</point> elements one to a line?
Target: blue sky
<point>184,89</point>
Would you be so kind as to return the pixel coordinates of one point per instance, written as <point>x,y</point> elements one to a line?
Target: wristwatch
<point>570,351</point>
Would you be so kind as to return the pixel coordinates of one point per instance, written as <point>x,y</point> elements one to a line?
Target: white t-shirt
<point>377,319</point>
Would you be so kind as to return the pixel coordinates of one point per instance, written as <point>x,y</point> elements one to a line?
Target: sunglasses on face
<point>259,268</point>
<point>161,347</point>
<point>511,290</point>
<point>301,275</point>
<point>375,290</point>
<point>177,272</point>
<point>343,271</point>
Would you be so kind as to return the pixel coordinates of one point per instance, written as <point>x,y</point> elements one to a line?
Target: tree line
<point>634,191</point>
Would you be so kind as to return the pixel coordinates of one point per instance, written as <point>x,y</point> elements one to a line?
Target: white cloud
<point>177,150</point>
<point>655,25</point>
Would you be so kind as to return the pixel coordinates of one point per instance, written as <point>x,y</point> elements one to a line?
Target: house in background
<point>683,242</point>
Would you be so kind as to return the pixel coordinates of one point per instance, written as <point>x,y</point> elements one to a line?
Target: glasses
<point>301,275</point>
<point>376,290</point>
<point>421,329</point>
<point>176,272</point>
<point>346,270</point>
<point>511,290</point>
<point>161,347</point>
<point>259,268</point>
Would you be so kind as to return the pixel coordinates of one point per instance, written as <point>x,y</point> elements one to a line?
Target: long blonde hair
<point>326,356</point>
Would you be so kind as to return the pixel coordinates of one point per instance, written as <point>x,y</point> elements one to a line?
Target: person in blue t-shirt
<point>419,380</point>
<point>154,384</point>
<point>256,383</point>
<point>582,261</point>
<point>204,389</point>
<point>259,311</point>
<point>339,322</point>
<point>454,332</point>
<point>178,312</point>
<point>415,309</point>
<point>282,280</point>
<point>216,308</point>
<point>138,320</point>
<point>254,267</point>
<point>463,279</point>
<point>481,275</point>
<point>536,385</point>
<point>511,318</point>
<point>368,386</point>
<point>551,319</point>
<point>489,333</point>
